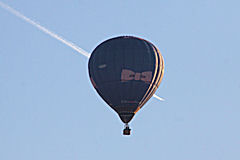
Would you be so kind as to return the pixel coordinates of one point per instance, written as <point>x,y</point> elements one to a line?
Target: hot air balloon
<point>126,71</point>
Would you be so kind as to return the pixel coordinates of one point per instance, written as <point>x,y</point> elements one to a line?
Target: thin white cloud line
<point>52,34</point>
<point>45,30</point>
<point>159,98</point>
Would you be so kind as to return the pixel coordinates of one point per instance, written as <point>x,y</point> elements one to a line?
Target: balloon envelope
<point>126,71</point>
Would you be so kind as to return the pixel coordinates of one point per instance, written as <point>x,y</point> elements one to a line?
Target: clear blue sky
<point>49,109</point>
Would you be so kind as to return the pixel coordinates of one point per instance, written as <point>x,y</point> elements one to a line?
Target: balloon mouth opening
<point>126,117</point>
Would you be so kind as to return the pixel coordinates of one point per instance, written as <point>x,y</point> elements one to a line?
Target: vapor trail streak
<point>45,30</point>
<point>159,98</point>
<point>50,33</point>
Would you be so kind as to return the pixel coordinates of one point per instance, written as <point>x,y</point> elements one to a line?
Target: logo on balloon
<point>128,75</point>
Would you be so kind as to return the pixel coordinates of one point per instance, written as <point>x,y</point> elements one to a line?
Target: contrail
<point>45,30</point>
<point>52,34</point>
<point>159,98</point>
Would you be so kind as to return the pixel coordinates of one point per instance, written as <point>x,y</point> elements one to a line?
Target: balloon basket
<point>127,130</point>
